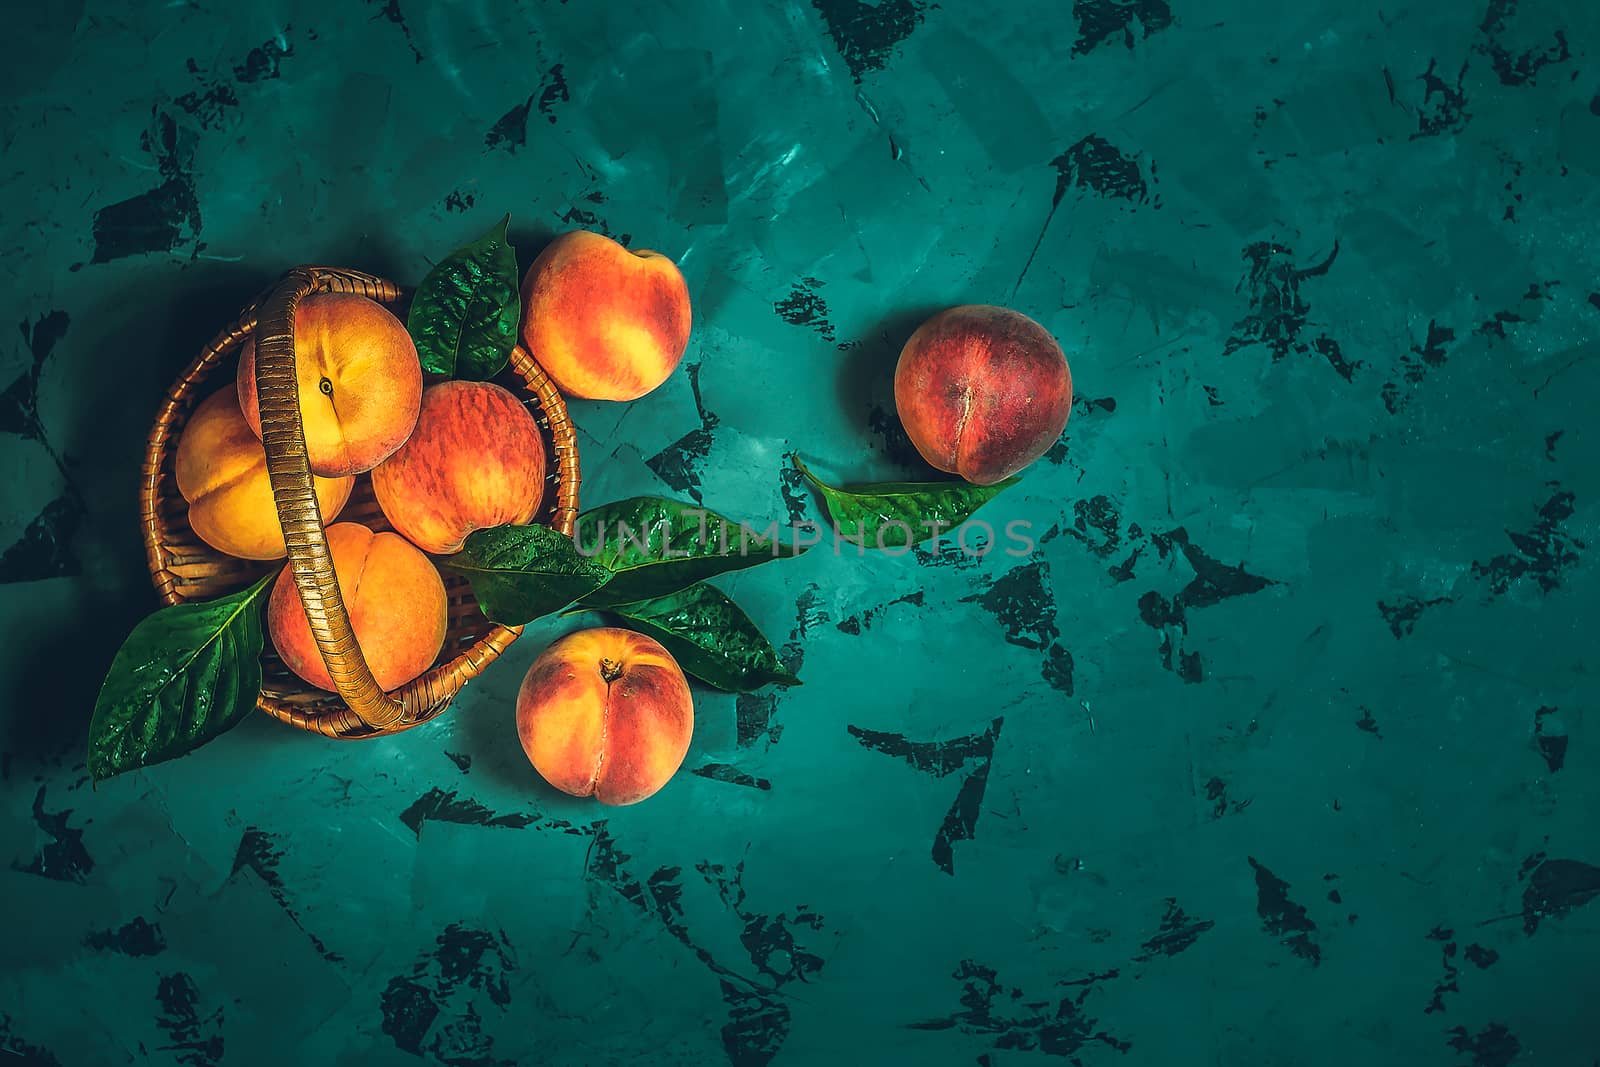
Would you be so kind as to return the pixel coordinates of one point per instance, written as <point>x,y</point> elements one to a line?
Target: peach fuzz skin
<point>395,599</point>
<point>222,474</point>
<point>360,382</point>
<point>605,712</point>
<point>475,460</point>
<point>982,391</point>
<point>604,322</point>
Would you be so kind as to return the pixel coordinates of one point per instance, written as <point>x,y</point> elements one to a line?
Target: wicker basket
<point>184,567</point>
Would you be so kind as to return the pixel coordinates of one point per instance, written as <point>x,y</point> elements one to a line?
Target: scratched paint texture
<point>1280,745</point>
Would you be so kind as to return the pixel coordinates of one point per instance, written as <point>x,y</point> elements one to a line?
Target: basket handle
<point>289,470</point>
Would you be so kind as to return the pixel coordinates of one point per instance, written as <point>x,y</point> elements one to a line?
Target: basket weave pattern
<point>185,568</point>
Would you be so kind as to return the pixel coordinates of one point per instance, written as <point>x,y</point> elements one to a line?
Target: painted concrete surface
<point>1279,745</point>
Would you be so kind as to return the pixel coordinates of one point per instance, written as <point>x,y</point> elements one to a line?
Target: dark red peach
<point>982,391</point>
<point>474,461</point>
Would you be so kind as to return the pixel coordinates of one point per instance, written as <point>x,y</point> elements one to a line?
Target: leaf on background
<point>710,636</point>
<point>873,514</point>
<point>654,546</point>
<point>520,573</point>
<point>465,314</point>
<point>186,675</point>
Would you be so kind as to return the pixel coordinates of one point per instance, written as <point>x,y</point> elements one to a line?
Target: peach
<point>393,595</point>
<point>983,391</point>
<point>222,474</point>
<point>604,322</point>
<point>360,382</point>
<point>475,460</point>
<point>606,713</point>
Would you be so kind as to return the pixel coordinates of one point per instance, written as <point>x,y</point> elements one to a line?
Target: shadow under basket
<point>185,568</point>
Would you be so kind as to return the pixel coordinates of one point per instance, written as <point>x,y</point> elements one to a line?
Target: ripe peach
<point>605,323</point>
<point>606,713</point>
<point>360,382</point>
<point>475,460</point>
<point>222,473</point>
<point>983,391</point>
<point>395,599</point>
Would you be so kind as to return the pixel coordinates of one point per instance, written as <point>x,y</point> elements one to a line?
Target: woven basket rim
<point>430,694</point>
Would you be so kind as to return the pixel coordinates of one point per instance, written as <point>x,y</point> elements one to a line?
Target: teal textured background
<point>1280,747</point>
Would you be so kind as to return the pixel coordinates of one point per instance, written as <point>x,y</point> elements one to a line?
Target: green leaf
<point>520,573</point>
<point>186,675</point>
<point>900,514</point>
<point>710,637</point>
<point>655,546</point>
<point>465,313</point>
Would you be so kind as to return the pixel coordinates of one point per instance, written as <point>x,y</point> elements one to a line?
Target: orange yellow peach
<point>222,474</point>
<point>607,713</point>
<point>604,322</point>
<point>360,382</point>
<point>393,595</point>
